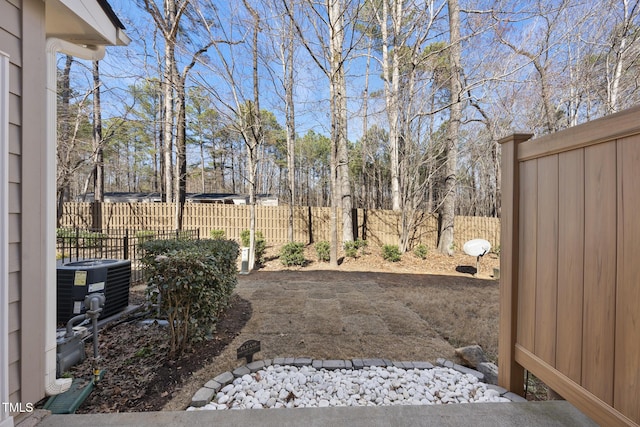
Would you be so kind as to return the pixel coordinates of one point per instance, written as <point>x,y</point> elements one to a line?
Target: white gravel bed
<point>289,387</point>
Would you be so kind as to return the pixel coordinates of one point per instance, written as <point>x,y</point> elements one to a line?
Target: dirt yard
<point>413,309</point>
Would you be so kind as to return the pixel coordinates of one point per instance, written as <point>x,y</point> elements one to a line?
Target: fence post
<point>354,223</point>
<point>510,373</point>
<point>96,216</point>
<point>77,243</point>
<point>310,224</point>
<point>126,244</point>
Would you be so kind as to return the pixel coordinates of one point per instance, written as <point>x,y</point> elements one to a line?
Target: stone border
<point>205,394</point>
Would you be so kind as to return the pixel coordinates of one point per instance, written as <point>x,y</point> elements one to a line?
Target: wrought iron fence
<point>74,244</point>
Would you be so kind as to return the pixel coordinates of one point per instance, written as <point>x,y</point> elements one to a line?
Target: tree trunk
<point>65,129</point>
<point>253,135</point>
<point>343,161</point>
<point>98,176</point>
<point>336,38</point>
<point>290,119</point>
<point>364,196</point>
<point>445,243</point>
<point>181,151</point>
<point>158,126</point>
<point>391,77</point>
<point>168,121</point>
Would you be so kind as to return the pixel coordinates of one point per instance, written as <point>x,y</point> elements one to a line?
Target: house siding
<point>10,23</point>
<point>22,37</point>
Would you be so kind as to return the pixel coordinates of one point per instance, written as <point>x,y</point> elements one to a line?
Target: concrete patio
<point>551,413</point>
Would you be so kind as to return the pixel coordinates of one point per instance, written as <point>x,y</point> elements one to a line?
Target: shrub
<point>217,234</point>
<point>421,251</point>
<point>143,234</point>
<point>260,244</point>
<point>351,248</point>
<point>292,254</point>
<point>82,238</point>
<point>362,244</point>
<point>195,280</point>
<point>391,253</point>
<point>323,250</point>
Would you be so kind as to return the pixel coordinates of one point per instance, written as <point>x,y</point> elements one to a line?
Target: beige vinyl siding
<point>10,27</point>
<point>10,18</point>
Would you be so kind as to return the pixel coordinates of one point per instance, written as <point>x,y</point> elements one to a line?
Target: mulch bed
<point>139,375</point>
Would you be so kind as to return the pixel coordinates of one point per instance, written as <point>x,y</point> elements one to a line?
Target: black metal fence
<point>74,244</point>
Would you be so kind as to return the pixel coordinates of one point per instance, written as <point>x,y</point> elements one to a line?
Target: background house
<point>224,198</point>
<point>32,32</point>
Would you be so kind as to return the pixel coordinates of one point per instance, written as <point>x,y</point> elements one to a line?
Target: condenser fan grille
<point>77,279</point>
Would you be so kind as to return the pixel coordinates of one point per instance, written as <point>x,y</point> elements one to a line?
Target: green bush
<point>143,234</point>
<point>421,251</point>
<point>82,238</point>
<point>391,253</point>
<point>292,254</point>
<point>217,234</point>
<point>351,248</point>
<point>261,244</point>
<point>323,250</point>
<point>195,280</point>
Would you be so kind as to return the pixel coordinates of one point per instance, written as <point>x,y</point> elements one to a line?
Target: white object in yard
<point>244,266</point>
<point>476,247</point>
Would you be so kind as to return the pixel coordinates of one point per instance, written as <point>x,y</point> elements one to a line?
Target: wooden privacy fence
<point>570,265</point>
<point>311,224</point>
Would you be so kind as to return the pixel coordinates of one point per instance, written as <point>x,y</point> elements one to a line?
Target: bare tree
<point>98,145</point>
<point>168,22</point>
<point>329,25</point>
<point>623,50</point>
<point>447,215</point>
<point>287,54</point>
<point>284,48</point>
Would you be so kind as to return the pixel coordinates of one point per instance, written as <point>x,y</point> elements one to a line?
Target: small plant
<point>82,238</point>
<point>391,253</point>
<point>323,251</point>
<point>143,234</point>
<point>261,244</point>
<point>496,250</point>
<point>218,234</point>
<point>292,254</point>
<point>351,248</point>
<point>421,251</point>
<point>145,351</point>
<point>362,244</point>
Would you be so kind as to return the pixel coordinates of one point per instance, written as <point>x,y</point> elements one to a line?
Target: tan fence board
<point>570,264</point>
<point>570,288</point>
<point>547,259</point>
<point>528,252</point>
<point>311,224</point>
<point>600,270</point>
<point>627,337</point>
